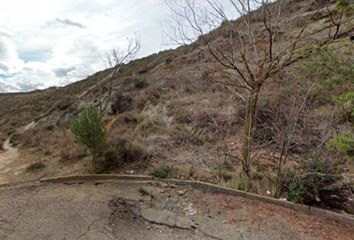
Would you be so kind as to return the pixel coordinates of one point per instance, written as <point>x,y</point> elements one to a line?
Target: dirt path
<point>127,210</point>
<point>8,157</point>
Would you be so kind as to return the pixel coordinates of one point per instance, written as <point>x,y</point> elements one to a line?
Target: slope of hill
<point>170,114</point>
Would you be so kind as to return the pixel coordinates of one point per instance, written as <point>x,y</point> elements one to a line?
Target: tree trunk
<point>247,130</point>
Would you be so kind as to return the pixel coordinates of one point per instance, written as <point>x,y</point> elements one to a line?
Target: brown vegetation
<point>170,109</point>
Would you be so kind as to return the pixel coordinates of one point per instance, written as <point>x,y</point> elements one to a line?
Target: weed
<point>189,135</point>
<point>185,171</point>
<point>140,83</point>
<point>343,143</point>
<point>36,167</point>
<point>145,192</point>
<point>162,172</point>
<point>242,182</point>
<point>223,171</point>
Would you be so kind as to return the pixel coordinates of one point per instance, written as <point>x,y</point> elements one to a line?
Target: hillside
<point>170,114</point>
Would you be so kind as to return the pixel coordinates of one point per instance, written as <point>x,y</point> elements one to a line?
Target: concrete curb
<point>96,177</point>
<point>314,211</point>
<point>208,187</point>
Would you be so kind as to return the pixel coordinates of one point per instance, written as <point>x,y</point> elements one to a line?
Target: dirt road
<point>151,211</point>
<point>8,159</point>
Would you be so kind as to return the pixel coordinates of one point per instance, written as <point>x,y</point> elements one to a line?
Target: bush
<point>162,172</point>
<point>343,143</point>
<point>189,135</point>
<point>121,104</point>
<point>89,131</point>
<point>242,182</point>
<point>135,153</point>
<point>295,187</point>
<point>140,83</point>
<point>224,171</point>
<point>319,183</point>
<point>36,167</point>
<point>112,160</point>
<point>123,152</point>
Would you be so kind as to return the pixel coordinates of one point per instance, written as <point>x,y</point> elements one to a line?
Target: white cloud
<point>45,43</point>
<point>9,61</point>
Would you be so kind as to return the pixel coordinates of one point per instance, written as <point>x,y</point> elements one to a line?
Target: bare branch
<point>115,59</point>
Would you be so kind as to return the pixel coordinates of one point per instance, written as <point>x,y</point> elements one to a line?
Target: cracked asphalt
<point>152,211</point>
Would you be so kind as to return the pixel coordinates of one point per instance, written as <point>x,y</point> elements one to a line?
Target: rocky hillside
<point>170,115</point>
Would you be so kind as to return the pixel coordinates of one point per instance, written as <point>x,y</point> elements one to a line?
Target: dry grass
<point>169,110</point>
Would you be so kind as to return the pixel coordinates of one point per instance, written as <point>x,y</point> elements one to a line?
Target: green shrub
<point>343,143</point>
<point>344,5</point>
<point>295,187</point>
<point>333,70</point>
<point>36,167</point>
<point>89,131</point>
<point>163,172</point>
<point>318,183</point>
<point>242,182</point>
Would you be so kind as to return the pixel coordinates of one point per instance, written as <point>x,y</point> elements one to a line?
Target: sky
<point>46,43</point>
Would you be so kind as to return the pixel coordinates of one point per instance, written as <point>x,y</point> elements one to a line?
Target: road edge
<point>203,186</point>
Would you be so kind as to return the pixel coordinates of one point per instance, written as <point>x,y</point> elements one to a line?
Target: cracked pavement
<point>152,211</point>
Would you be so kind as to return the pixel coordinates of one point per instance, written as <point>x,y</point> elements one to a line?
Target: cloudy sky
<point>54,42</point>
<point>46,43</point>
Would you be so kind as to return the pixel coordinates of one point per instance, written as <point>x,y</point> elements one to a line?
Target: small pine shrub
<point>89,131</point>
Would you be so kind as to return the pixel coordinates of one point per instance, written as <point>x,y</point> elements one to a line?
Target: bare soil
<point>9,162</point>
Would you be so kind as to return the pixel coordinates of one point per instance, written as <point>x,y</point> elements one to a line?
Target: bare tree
<point>251,50</point>
<point>115,59</point>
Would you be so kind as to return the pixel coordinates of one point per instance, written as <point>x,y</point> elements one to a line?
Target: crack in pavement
<point>207,227</point>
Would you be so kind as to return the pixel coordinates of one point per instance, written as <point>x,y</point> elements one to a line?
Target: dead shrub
<point>28,138</point>
<point>180,114</point>
<point>184,171</point>
<point>147,97</point>
<point>148,127</point>
<point>214,122</point>
<point>123,152</point>
<point>121,104</point>
<point>72,153</point>
<point>184,135</point>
